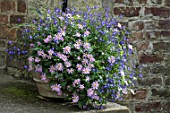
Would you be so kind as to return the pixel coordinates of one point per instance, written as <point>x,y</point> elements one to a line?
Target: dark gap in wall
<point>64,5</point>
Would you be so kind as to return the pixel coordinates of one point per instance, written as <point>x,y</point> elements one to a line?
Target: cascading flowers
<point>83,56</point>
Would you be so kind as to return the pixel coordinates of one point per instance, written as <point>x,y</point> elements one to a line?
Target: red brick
<point>3,18</point>
<point>161,92</point>
<point>138,25</point>
<point>167,81</point>
<point>151,25</point>
<point>127,11</point>
<point>149,81</point>
<point>142,46</point>
<point>140,94</point>
<point>167,2</point>
<point>142,1</point>
<point>136,36</point>
<point>6,32</point>
<point>7,6</point>
<point>150,106</point>
<point>150,58</point>
<point>161,46</point>
<point>165,33</point>
<point>15,19</point>
<point>162,12</point>
<point>164,24</point>
<point>21,6</point>
<point>152,34</point>
<point>119,1</point>
<point>166,106</point>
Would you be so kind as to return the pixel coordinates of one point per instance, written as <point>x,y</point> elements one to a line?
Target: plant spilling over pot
<point>82,55</point>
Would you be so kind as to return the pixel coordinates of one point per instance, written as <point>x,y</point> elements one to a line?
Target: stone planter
<point>44,88</point>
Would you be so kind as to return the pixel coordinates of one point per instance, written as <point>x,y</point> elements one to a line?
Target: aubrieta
<point>81,55</point>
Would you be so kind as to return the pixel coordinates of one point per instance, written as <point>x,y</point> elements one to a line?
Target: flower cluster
<point>83,56</point>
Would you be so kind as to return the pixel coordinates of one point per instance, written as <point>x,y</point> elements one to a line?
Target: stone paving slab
<point>18,96</point>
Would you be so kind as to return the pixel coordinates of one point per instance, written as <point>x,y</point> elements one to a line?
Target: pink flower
<point>61,56</point>
<point>81,87</point>
<point>78,35</point>
<point>77,46</point>
<point>80,26</point>
<point>40,52</point>
<point>56,87</point>
<point>90,92</point>
<point>32,45</point>
<point>49,57</point>
<point>66,50</point>
<point>58,37</point>
<point>86,45</point>
<point>87,78</point>
<point>70,71</point>
<point>86,33</point>
<point>85,61</point>
<point>78,58</point>
<point>30,59</point>
<point>52,68</point>
<point>119,25</point>
<point>48,39</point>
<point>67,64</point>
<point>59,67</point>
<point>79,42</point>
<point>50,52</point>
<point>95,85</point>
<point>38,68</point>
<point>79,67</point>
<point>39,43</point>
<point>44,78</point>
<point>124,91</point>
<point>44,56</point>
<point>61,18</point>
<point>76,82</point>
<point>90,66</point>
<point>91,58</point>
<point>75,98</point>
<point>111,59</point>
<point>86,70</point>
<point>37,60</point>
<point>95,97</point>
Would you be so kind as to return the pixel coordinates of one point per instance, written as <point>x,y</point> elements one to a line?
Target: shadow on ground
<point>18,96</point>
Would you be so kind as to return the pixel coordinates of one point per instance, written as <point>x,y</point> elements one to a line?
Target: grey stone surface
<point>17,96</point>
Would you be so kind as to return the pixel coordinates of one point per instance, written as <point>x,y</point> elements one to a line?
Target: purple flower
<point>111,59</point>
<point>95,85</point>
<point>77,46</point>
<point>75,98</point>
<point>124,91</point>
<point>78,58</point>
<point>66,50</point>
<point>96,97</point>
<point>90,92</point>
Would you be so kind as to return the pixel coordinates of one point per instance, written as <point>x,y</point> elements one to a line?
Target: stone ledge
<point>111,108</point>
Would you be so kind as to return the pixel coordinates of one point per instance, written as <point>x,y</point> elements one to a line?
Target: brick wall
<point>149,23</point>
<point>12,12</point>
